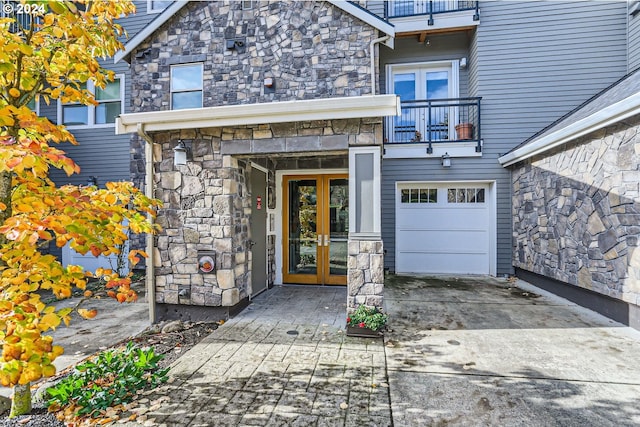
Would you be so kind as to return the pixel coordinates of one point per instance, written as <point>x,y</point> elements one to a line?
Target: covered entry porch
<point>242,189</point>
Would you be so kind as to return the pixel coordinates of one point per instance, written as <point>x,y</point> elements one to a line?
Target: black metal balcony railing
<point>401,8</point>
<point>436,121</point>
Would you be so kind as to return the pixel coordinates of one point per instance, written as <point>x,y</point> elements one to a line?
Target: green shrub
<point>367,317</point>
<point>109,379</point>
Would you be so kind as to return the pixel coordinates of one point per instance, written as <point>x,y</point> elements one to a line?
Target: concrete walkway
<point>461,352</point>
<point>284,361</point>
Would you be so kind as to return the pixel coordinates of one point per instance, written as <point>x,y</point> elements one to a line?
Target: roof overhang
<point>614,113</point>
<point>253,114</point>
<point>356,11</point>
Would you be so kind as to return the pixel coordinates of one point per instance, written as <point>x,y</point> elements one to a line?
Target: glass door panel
<point>338,230</point>
<point>436,85</point>
<point>302,229</point>
<point>405,126</point>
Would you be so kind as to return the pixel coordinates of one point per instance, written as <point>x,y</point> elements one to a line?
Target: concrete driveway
<point>480,351</point>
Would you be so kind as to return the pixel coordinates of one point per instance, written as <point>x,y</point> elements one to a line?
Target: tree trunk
<point>21,403</point>
<point>5,197</point>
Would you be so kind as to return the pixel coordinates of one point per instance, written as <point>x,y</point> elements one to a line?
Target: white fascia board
<point>149,29</point>
<point>612,114</point>
<point>270,112</point>
<point>376,22</point>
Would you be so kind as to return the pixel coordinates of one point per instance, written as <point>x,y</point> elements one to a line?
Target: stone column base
<point>365,274</point>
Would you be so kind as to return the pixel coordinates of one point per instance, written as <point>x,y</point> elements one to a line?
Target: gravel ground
<point>175,341</point>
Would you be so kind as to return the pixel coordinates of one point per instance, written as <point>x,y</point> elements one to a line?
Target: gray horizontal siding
<point>376,7</point>
<point>634,42</point>
<point>531,62</point>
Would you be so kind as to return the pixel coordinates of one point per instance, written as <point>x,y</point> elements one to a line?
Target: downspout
<point>150,277</point>
<point>373,61</point>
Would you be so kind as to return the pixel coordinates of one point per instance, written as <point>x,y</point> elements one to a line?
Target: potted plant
<point>464,130</point>
<point>366,321</point>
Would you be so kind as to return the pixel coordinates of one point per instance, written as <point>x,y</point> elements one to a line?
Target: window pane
<point>437,85</point>
<point>183,100</point>
<point>451,195</point>
<point>404,196</point>
<point>461,195</point>
<point>480,195</point>
<point>107,112</point>
<point>433,195</point>
<point>111,91</point>
<point>405,86</point>
<point>414,195</point>
<point>32,104</point>
<point>186,77</point>
<point>75,115</point>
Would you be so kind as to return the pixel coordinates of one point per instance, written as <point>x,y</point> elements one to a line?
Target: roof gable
<point>354,10</point>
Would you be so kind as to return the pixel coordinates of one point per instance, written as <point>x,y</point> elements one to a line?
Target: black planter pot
<point>354,331</point>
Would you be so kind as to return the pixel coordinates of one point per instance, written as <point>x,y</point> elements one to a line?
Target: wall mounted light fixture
<point>181,153</point>
<point>446,160</point>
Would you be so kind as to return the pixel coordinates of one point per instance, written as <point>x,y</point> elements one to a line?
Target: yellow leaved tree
<point>46,56</point>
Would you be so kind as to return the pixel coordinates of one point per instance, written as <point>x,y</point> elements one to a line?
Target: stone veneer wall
<point>577,212</point>
<point>207,207</point>
<point>365,273</point>
<point>310,49</point>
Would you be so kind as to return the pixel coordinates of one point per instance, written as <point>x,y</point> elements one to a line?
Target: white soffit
<point>270,112</point>
<point>612,114</point>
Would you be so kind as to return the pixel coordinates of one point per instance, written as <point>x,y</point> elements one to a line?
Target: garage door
<point>443,228</point>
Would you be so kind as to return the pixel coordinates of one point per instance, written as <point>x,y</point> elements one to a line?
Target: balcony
<point>431,15</point>
<point>452,125</point>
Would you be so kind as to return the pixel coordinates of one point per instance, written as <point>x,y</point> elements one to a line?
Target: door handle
<point>326,240</point>
<point>319,239</point>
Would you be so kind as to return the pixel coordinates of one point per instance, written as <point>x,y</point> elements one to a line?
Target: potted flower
<point>366,321</point>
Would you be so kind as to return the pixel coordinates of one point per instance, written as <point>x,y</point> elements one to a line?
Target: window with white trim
<point>186,86</point>
<point>465,195</point>
<point>156,6</point>
<point>419,195</point>
<point>110,105</point>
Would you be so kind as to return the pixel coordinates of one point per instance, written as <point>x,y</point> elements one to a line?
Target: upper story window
<point>186,86</point>
<point>247,5</point>
<point>155,6</point>
<point>34,106</point>
<point>109,106</point>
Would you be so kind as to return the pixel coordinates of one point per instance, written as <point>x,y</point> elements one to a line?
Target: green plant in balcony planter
<point>367,317</point>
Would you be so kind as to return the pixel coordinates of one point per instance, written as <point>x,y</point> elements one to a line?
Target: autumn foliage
<point>47,61</point>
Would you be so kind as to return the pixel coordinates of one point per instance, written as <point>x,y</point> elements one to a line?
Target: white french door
<point>421,121</point>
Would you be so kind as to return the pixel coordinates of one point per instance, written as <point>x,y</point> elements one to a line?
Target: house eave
<point>261,113</point>
<point>614,113</point>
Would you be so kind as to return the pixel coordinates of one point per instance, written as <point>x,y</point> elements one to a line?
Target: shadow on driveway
<point>485,351</point>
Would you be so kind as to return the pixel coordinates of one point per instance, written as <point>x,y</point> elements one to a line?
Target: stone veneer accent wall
<point>365,273</point>
<point>310,49</point>
<point>207,207</point>
<point>577,212</point>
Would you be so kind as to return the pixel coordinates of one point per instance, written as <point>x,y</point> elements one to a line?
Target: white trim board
<point>268,112</point>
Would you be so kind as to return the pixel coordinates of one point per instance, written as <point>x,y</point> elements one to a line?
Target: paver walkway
<point>283,361</point>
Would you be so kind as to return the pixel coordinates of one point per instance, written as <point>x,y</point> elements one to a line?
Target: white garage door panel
<point>441,235</point>
<point>441,263</point>
<point>444,240</point>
